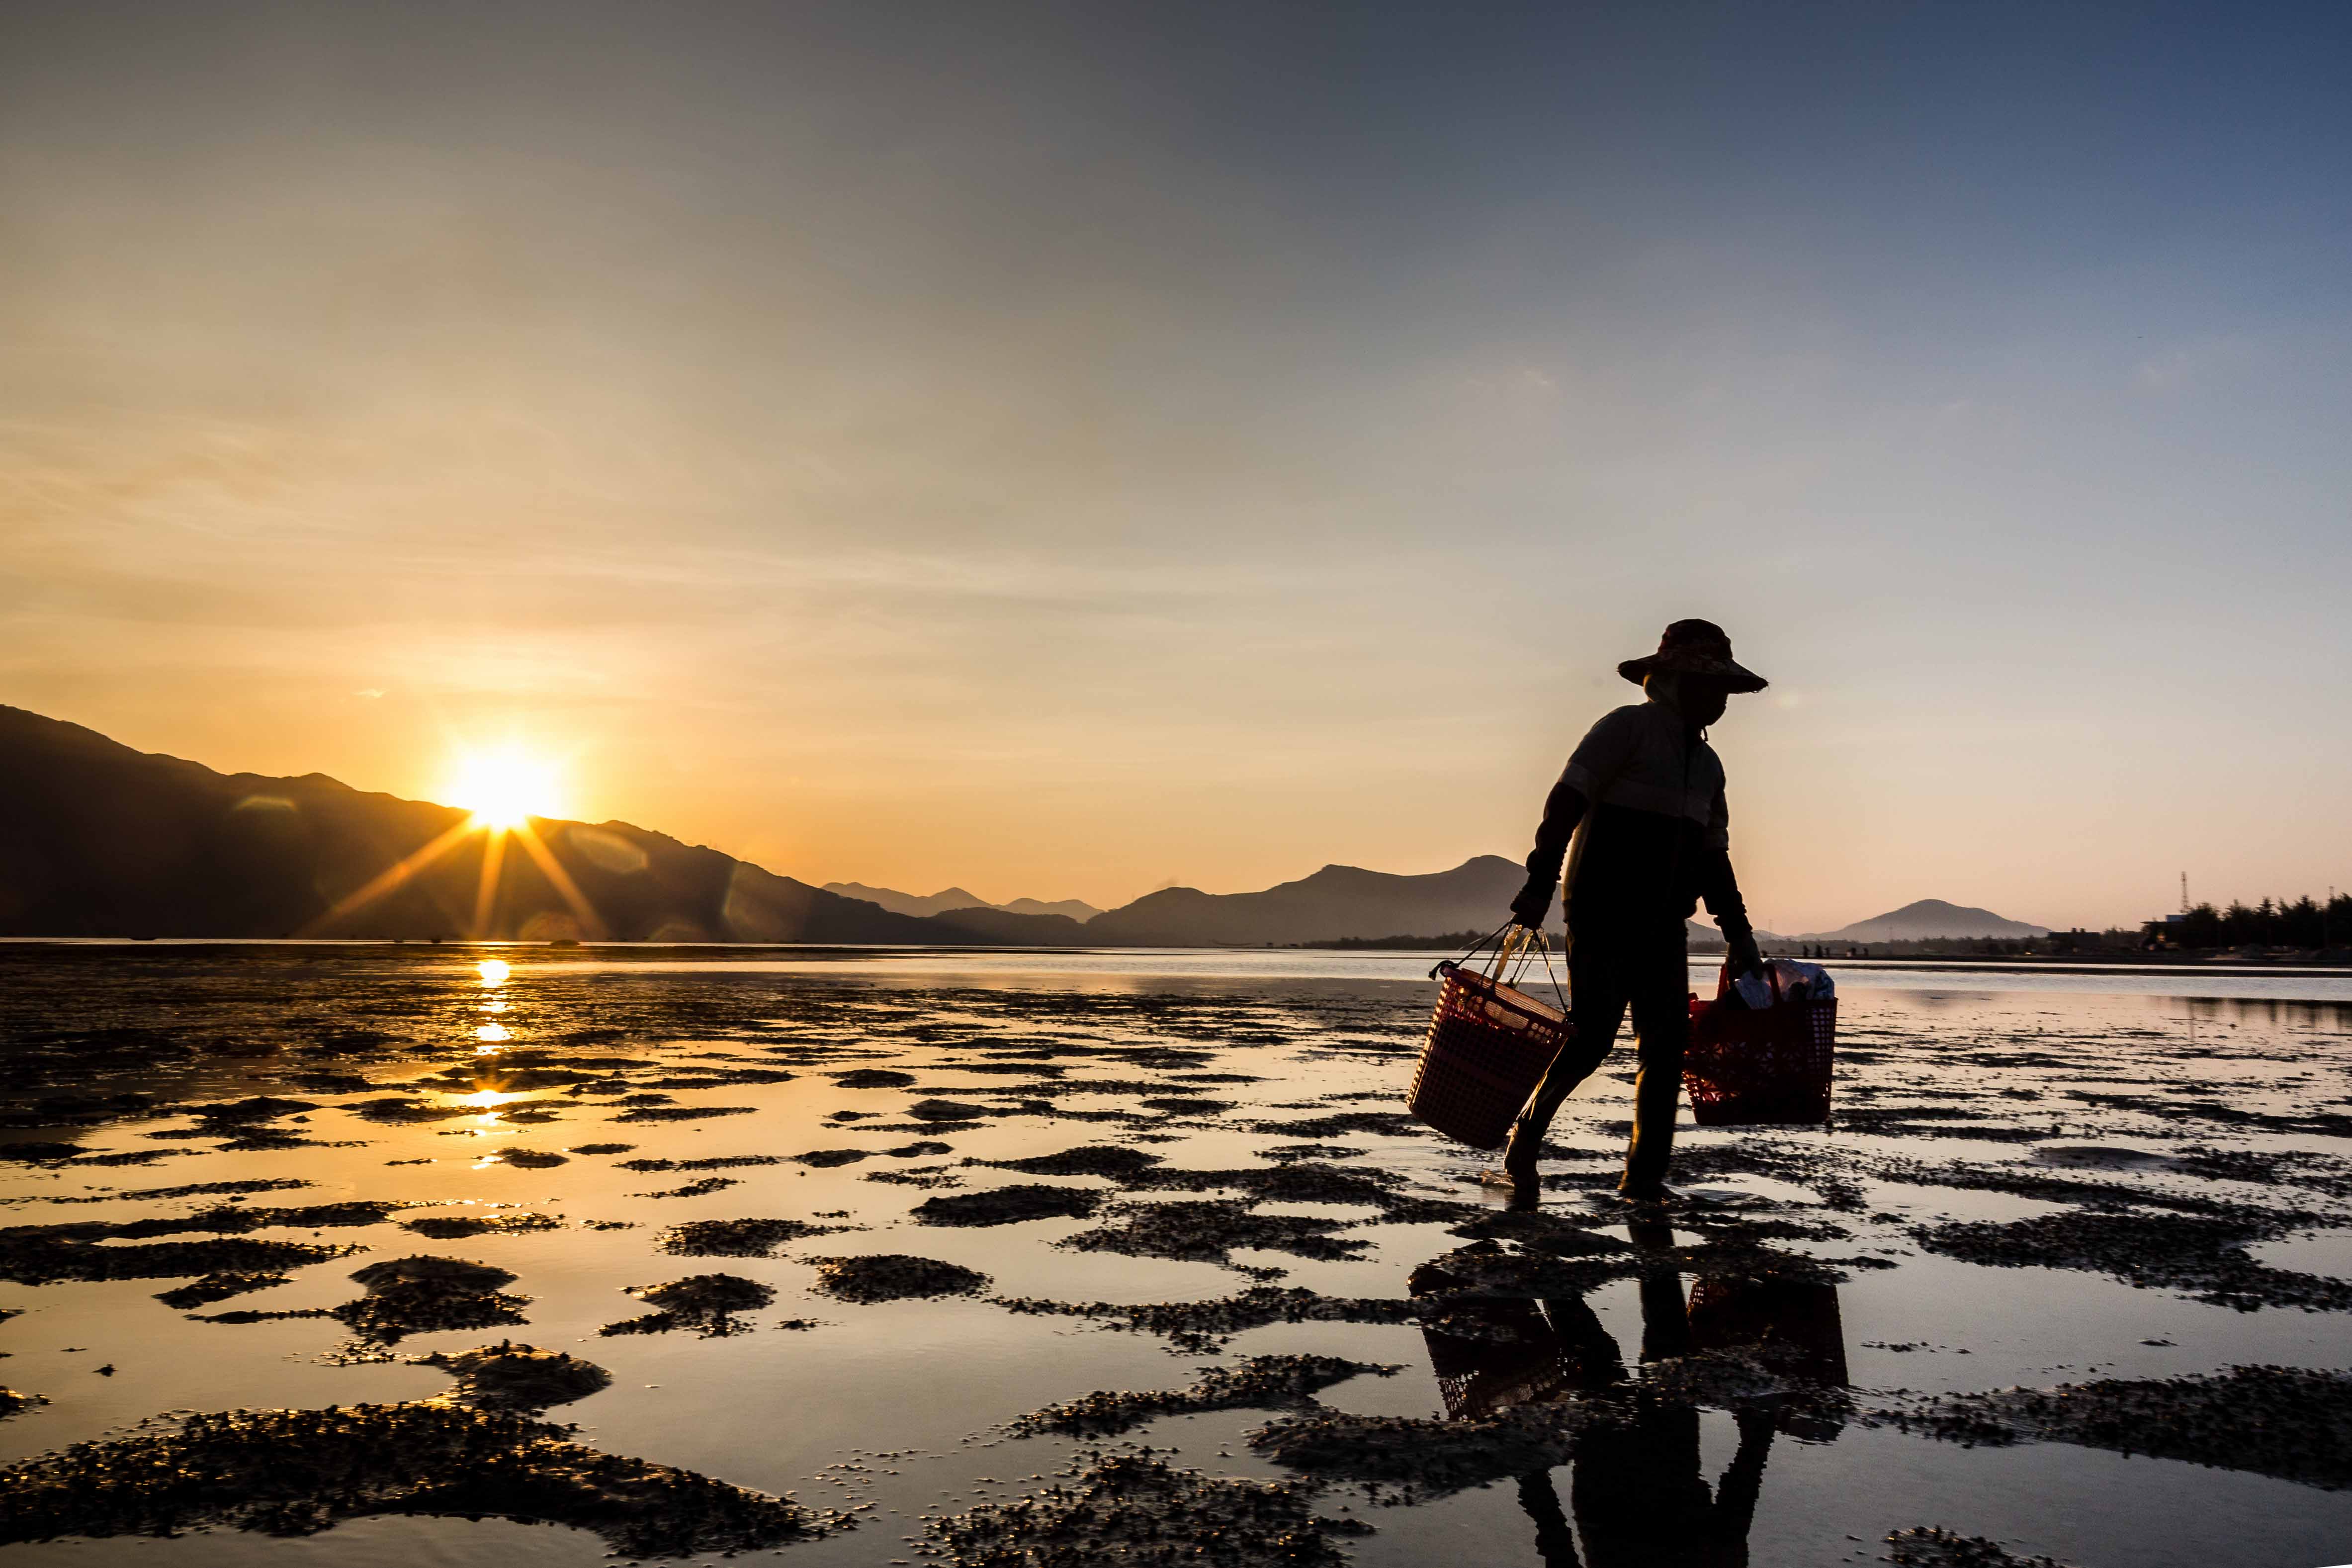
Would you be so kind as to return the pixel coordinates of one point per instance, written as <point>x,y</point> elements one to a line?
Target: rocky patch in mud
<point>530,1159</point>
<point>207,1288</point>
<point>2200,1256</point>
<point>509,1376</point>
<point>1203,1328</point>
<point>235,1218</point>
<point>1087,1159</point>
<point>2289,1422</point>
<point>39,1152</point>
<point>1289,1182</point>
<point>1487,1268</point>
<point>421,1294</point>
<point>1255,1383</point>
<point>398,1109</point>
<point>1929,1546</point>
<point>1386,1124</point>
<point>930,1177</point>
<point>1426,1458</point>
<point>699,1189</point>
<point>48,1254</point>
<point>704,1304</point>
<point>895,1277</point>
<point>873,1077</point>
<point>455,1227</point>
<point>297,1472</point>
<point>943,1110</point>
<point>1210,1232</point>
<point>188,1190</point>
<point>736,1237</point>
<point>680,1112</point>
<point>1136,1508</point>
<point>716,1163</point>
<point>2098,1157</point>
<point>1010,1205</point>
<point>12,1401</point>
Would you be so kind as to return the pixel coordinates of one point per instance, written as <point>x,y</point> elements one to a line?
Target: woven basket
<point>1761,1067</point>
<point>1488,1048</point>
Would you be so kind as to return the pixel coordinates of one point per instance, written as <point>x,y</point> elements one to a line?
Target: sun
<point>506,788</point>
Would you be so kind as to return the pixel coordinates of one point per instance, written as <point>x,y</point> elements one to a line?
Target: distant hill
<point>1078,910</point>
<point>954,899</point>
<point>97,840</point>
<point>899,903</point>
<point>1336,902</point>
<point>1925,920</point>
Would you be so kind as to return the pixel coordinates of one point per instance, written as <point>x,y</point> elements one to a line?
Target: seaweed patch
<point>2293,1423</point>
<point>1009,1205</point>
<point>1136,1508</point>
<point>2200,1256</point>
<point>1201,1328</point>
<point>895,1277</point>
<point>509,1376</point>
<point>1209,1232</point>
<point>736,1237</point>
<point>1254,1382</point>
<point>422,1293</point>
<point>706,1304</point>
<point>1927,1546</point>
<point>297,1472</point>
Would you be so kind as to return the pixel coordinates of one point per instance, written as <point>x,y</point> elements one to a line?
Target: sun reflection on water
<point>494,971</point>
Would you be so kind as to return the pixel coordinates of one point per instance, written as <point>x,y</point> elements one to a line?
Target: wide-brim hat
<point>1695,647</point>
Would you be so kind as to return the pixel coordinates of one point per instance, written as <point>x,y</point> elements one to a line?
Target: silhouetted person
<point>1643,799</point>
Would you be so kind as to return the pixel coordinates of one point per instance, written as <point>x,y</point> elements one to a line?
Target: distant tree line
<point>2274,922</point>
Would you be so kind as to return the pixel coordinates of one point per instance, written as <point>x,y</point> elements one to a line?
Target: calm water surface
<point>1208,1061</point>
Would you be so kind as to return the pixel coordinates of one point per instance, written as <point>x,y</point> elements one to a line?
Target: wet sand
<point>1002,1259</point>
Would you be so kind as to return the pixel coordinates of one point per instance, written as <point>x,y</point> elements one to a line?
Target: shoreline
<point>1972,964</point>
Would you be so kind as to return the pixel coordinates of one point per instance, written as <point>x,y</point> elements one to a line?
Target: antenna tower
<point>2184,892</point>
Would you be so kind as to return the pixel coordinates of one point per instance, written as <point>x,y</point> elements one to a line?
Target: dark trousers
<point>1609,972</point>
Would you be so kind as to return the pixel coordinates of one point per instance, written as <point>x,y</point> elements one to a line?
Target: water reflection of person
<point>1640,1497</point>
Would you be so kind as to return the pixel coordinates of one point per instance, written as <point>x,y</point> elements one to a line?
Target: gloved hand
<point>1533,903</point>
<point>1744,956</point>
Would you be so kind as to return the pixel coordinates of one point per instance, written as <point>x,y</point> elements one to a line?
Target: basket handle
<point>1511,941</point>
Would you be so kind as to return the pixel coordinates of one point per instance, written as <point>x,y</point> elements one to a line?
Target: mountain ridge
<point>950,899</point>
<point>1926,920</point>
<point>97,838</point>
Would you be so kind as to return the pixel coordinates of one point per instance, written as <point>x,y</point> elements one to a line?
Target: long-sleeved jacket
<point>1643,798</point>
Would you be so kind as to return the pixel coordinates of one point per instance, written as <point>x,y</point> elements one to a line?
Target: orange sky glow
<point>905,457</point>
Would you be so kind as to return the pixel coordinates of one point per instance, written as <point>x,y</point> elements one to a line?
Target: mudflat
<point>1021,1260</point>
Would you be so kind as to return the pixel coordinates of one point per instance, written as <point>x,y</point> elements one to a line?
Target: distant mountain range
<point>1926,920</point>
<point>1336,902</point>
<point>97,840</point>
<point>953,899</point>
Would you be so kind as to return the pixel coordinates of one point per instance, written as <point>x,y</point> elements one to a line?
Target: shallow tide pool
<point>2091,1183</point>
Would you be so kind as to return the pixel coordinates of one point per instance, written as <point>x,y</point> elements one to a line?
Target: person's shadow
<point>1641,1499</point>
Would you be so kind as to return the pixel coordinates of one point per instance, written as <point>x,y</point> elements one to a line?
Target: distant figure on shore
<point>1647,791</point>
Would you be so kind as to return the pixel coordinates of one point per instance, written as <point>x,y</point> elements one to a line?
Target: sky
<point>1066,450</point>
